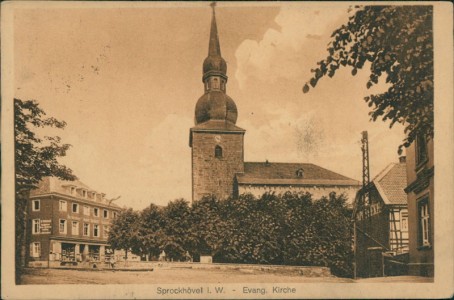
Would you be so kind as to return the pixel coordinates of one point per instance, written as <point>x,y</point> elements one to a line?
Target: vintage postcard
<point>218,150</point>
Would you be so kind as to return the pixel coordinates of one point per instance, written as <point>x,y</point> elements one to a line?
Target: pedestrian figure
<point>112,261</point>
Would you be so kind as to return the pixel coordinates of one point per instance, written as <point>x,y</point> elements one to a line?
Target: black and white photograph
<point>214,150</point>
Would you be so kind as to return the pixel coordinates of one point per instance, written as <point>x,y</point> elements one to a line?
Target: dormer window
<point>300,173</point>
<point>84,193</point>
<point>72,190</point>
<point>218,151</point>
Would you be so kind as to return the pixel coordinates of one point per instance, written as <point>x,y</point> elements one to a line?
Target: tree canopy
<point>397,41</point>
<point>37,157</point>
<point>287,229</point>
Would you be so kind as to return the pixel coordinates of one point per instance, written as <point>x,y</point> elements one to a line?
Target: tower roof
<point>214,64</point>
<point>215,104</point>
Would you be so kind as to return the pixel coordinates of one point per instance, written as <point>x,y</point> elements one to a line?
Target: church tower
<point>216,142</point>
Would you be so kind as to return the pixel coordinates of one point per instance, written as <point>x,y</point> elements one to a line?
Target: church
<point>217,148</point>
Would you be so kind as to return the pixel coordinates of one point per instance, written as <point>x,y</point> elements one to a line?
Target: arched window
<point>218,151</point>
<point>215,83</point>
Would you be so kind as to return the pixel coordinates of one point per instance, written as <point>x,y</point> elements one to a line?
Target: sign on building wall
<point>46,226</point>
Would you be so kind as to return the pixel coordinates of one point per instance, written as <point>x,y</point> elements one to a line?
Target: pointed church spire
<point>214,49</point>
<point>214,64</point>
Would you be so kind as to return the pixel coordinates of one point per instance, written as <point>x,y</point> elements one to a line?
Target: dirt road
<point>162,276</point>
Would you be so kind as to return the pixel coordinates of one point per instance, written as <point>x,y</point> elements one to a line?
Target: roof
<point>50,185</point>
<point>270,173</point>
<point>390,183</point>
<point>217,125</point>
<point>215,105</point>
<point>214,63</point>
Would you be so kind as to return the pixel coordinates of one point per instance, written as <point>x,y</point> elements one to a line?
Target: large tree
<point>124,231</point>
<point>151,233</point>
<point>176,228</point>
<point>35,157</point>
<point>397,41</point>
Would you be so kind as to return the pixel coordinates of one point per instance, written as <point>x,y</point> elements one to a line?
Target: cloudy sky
<point>126,78</point>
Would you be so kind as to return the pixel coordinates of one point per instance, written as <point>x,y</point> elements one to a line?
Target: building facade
<point>217,147</point>
<point>68,223</point>
<point>382,226</point>
<point>420,195</point>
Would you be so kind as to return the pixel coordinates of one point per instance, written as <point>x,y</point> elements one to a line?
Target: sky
<point>126,79</point>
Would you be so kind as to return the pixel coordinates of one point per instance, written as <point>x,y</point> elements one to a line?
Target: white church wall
<point>317,192</point>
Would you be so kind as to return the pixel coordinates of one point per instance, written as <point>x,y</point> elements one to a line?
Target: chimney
<point>402,159</point>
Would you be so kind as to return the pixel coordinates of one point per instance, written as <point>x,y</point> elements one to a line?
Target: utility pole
<point>362,200</point>
<point>366,174</point>
<point>366,201</point>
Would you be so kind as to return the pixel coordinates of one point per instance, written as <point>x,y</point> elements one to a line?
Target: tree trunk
<point>21,211</point>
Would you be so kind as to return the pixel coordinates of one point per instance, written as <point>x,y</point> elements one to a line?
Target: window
<point>62,206</point>
<point>404,220</point>
<point>62,226</point>
<point>424,222</point>
<point>75,228</point>
<point>114,214</point>
<point>96,212</point>
<point>300,173</point>
<point>421,149</point>
<point>84,193</point>
<point>86,229</point>
<point>36,205</point>
<point>106,214</point>
<point>215,83</point>
<point>35,249</point>
<point>218,151</point>
<point>86,210</point>
<point>73,190</point>
<point>75,208</point>
<point>36,226</point>
<point>96,230</point>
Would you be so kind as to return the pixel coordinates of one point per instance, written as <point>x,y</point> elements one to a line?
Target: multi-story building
<point>420,196</point>
<point>68,223</point>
